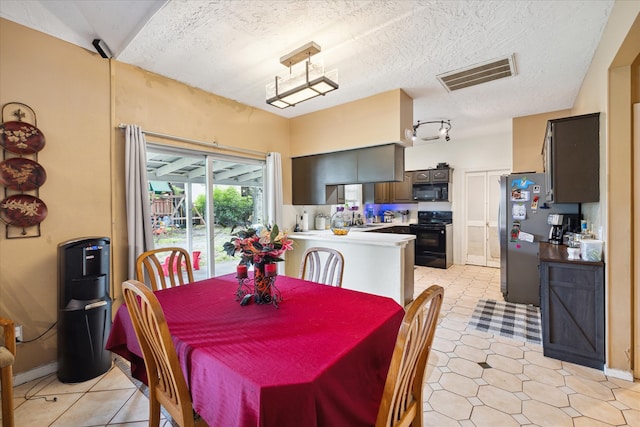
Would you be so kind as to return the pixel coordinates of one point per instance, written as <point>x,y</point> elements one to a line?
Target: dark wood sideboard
<point>572,307</point>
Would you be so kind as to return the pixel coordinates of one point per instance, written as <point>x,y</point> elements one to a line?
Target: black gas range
<point>434,238</point>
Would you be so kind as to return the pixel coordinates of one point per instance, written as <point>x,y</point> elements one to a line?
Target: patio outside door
<point>185,214</point>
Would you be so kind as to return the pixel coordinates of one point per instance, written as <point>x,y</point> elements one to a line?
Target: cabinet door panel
<point>374,164</point>
<point>572,305</point>
<point>338,168</point>
<point>301,185</point>
<point>381,193</point>
<point>575,159</point>
<point>402,192</point>
<point>439,175</point>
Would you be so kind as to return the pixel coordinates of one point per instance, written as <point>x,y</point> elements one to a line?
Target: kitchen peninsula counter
<point>376,263</point>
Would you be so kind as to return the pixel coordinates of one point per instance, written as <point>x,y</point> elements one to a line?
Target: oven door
<point>431,245</point>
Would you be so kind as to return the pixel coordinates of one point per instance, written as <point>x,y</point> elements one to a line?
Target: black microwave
<point>438,192</point>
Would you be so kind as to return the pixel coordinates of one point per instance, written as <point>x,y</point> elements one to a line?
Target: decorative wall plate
<point>22,210</point>
<point>21,138</point>
<point>21,174</point>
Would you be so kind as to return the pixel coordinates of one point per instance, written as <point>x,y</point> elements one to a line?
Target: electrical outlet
<point>18,333</point>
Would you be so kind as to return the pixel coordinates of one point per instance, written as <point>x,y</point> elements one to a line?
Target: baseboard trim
<point>34,374</point>
<point>619,373</point>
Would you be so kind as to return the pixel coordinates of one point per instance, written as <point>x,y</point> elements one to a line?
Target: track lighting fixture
<point>445,127</point>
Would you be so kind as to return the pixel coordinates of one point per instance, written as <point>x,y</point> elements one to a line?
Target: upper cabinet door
<point>340,167</point>
<point>402,192</point>
<point>301,186</point>
<point>420,177</point>
<point>381,163</point>
<point>573,159</point>
<point>440,175</point>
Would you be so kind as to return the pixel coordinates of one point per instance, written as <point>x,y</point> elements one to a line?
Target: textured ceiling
<point>232,48</point>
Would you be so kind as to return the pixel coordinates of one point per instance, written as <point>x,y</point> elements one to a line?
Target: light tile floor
<point>522,387</point>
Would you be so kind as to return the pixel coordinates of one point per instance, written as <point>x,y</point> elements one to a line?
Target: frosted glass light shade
<point>296,88</point>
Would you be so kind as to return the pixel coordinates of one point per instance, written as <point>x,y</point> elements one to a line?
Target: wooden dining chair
<point>322,265</point>
<point>7,358</point>
<point>164,268</point>
<point>401,403</point>
<point>167,386</point>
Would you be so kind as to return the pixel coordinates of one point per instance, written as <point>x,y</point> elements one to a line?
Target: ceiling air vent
<point>479,73</point>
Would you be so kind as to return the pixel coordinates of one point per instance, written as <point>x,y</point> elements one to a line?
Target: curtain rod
<point>203,143</point>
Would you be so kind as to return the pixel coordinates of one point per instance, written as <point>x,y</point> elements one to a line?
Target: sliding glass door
<point>198,200</point>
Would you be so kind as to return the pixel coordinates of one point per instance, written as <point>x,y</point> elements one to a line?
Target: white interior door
<point>475,218</point>
<point>493,203</point>
<point>482,195</point>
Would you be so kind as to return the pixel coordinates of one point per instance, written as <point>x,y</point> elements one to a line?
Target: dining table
<point>318,358</point>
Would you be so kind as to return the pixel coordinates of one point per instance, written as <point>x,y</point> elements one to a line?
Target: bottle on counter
<point>305,221</point>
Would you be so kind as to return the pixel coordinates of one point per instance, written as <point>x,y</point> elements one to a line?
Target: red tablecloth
<point>320,359</point>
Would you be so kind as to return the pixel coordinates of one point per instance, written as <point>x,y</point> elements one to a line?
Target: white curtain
<point>274,189</point>
<point>137,192</point>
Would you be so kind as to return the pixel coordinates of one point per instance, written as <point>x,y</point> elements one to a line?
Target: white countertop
<point>356,236</point>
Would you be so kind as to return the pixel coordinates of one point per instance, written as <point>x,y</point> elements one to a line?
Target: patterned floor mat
<point>507,319</point>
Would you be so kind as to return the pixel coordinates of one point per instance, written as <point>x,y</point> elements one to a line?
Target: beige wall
<point>528,137</point>
<point>169,107</point>
<point>608,88</point>
<point>375,120</point>
<point>79,99</point>
<point>68,88</point>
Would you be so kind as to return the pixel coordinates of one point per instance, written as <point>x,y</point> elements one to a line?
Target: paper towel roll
<point>305,221</point>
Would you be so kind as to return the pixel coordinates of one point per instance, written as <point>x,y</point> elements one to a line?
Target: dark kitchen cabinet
<point>440,175</point>
<point>422,177</point>
<point>381,163</point>
<point>572,308</point>
<point>571,155</point>
<point>308,186</point>
<point>428,176</point>
<point>319,179</point>
<point>335,169</point>
<point>389,192</point>
<point>303,185</point>
<point>402,192</point>
<point>339,167</point>
<point>377,193</point>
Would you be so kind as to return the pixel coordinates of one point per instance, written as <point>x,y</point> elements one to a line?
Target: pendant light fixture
<point>445,127</point>
<point>305,84</point>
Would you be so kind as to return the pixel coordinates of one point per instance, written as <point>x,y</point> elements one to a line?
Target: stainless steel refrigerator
<point>522,226</point>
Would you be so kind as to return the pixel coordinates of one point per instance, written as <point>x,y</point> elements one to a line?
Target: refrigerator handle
<point>499,222</point>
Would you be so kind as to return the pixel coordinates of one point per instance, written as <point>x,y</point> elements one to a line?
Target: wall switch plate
<point>18,333</point>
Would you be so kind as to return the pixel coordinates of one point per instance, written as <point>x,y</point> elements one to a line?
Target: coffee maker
<point>557,229</point>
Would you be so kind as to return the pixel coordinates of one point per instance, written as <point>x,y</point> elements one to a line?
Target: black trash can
<point>84,309</point>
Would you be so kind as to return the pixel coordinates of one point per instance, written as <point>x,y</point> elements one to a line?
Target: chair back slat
<point>7,357</point>
<point>167,386</point>
<point>164,268</point>
<point>322,265</point>
<point>401,403</point>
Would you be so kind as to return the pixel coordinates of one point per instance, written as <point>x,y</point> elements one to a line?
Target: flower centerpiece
<point>262,248</point>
